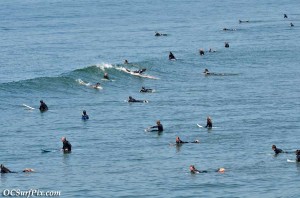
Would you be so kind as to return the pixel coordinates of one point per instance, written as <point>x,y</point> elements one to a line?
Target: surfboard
<point>29,107</point>
<point>137,74</point>
<point>200,126</point>
<point>292,161</point>
<point>49,150</point>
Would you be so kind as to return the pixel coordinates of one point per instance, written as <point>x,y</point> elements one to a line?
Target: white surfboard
<point>200,126</point>
<point>29,107</point>
<point>137,74</point>
<point>292,161</point>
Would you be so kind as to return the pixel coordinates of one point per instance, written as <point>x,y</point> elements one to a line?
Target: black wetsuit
<point>277,151</point>
<point>171,56</point>
<point>85,117</point>
<point>201,52</point>
<point>67,147</point>
<point>298,157</point>
<point>134,100</point>
<point>208,125</point>
<point>145,90</point>
<point>159,127</point>
<point>4,169</point>
<point>106,77</point>
<point>43,107</point>
<point>139,71</point>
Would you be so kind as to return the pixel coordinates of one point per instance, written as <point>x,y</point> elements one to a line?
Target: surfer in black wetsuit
<point>171,56</point>
<point>106,76</point>
<point>6,170</point>
<point>159,126</point>
<point>194,170</point>
<point>206,72</point>
<point>201,51</point>
<point>208,122</point>
<point>125,61</point>
<point>43,106</point>
<point>276,150</point>
<point>226,44</point>
<point>145,90</point>
<point>84,115</point>
<point>140,71</point>
<point>285,16</point>
<point>67,147</point>
<point>292,25</point>
<point>297,155</point>
<point>131,99</point>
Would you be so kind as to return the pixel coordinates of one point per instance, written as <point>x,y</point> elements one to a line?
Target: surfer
<point>96,86</point>
<point>171,56</point>
<point>206,72</point>
<point>201,51</point>
<point>297,155</point>
<point>131,99</point>
<point>43,106</point>
<point>179,141</point>
<point>243,21</point>
<point>158,126</point>
<point>276,150</point>
<point>285,16</point>
<point>84,115</point>
<point>194,170</point>
<point>125,61</point>
<point>220,170</point>
<point>208,122</point>
<point>226,44</point>
<point>67,147</point>
<point>292,25</point>
<point>144,90</point>
<point>106,76</point>
<point>6,170</point>
<point>227,29</point>
<point>140,71</point>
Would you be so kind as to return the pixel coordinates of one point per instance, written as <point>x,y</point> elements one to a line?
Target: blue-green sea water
<point>48,47</point>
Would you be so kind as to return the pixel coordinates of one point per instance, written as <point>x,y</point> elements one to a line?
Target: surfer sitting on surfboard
<point>208,122</point>
<point>158,126</point>
<point>84,115</point>
<point>171,56</point>
<point>145,90</point>
<point>67,147</point>
<point>276,150</point>
<point>43,106</point>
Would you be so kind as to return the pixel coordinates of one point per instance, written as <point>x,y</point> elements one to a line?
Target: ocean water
<point>48,47</point>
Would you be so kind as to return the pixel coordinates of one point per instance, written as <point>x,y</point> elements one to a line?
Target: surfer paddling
<point>131,99</point>
<point>276,150</point>
<point>179,141</point>
<point>106,76</point>
<point>144,90</point>
<point>194,170</point>
<point>6,170</point>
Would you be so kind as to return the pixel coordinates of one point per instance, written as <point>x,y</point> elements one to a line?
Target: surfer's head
<point>221,170</point>
<point>273,147</point>
<point>192,168</point>
<point>63,139</point>
<point>26,170</point>
<point>41,101</point>
<point>84,112</point>
<point>158,122</point>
